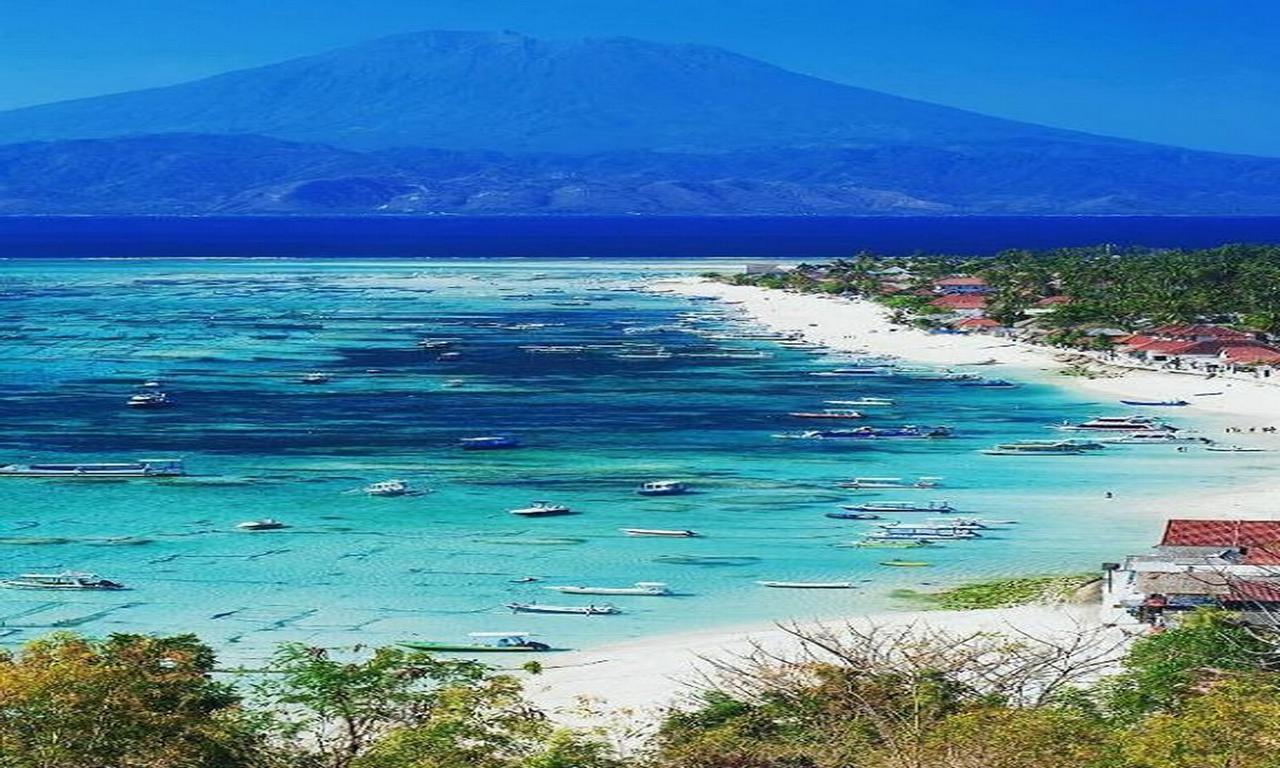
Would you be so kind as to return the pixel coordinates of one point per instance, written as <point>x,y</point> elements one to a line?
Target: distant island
<point>500,123</point>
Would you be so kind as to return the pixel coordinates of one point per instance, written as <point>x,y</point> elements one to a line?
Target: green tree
<point>128,701</point>
<point>1235,724</point>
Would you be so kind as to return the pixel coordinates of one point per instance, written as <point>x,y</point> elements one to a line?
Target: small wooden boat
<point>1233,449</point>
<point>808,584</point>
<point>573,610</point>
<point>889,544</point>
<point>1164,403</point>
<point>542,509</point>
<point>486,642</point>
<point>853,515</point>
<point>905,563</point>
<point>67,580</point>
<point>684,534</point>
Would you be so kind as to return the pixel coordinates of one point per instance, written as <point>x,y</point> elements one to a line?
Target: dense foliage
<point>1204,693</point>
<point>1125,288</point>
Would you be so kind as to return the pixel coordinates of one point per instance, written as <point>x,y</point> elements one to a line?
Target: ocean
<point>636,386</point>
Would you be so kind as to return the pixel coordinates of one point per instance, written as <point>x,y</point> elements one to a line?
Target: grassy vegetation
<point>1002,593</point>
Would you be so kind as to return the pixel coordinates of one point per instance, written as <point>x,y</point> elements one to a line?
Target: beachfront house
<point>1199,348</point>
<point>1233,564</point>
<point>958,285</point>
<point>961,305</point>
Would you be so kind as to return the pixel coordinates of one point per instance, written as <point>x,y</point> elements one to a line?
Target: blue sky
<point>1190,72</point>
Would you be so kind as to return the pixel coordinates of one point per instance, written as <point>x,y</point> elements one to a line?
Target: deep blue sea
<point>230,338</point>
<point>645,237</point>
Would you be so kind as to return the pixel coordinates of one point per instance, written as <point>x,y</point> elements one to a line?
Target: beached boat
<point>1234,449</point>
<point>265,524</point>
<point>1035,449</point>
<point>484,642</point>
<point>1158,403</point>
<point>893,507</point>
<point>673,533</point>
<point>488,443</point>
<point>891,483</point>
<point>542,509</point>
<point>67,580</point>
<point>315,377</point>
<point>640,588</point>
<point>662,488</point>
<point>388,488</point>
<point>572,610</point>
<point>864,402</point>
<point>139,468</point>
<point>149,400</point>
<point>808,584</point>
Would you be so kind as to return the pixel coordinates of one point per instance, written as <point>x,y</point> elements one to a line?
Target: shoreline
<point>649,673</point>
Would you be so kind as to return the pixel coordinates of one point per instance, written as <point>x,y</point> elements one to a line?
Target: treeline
<point>1126,288</point>
<point>1206,693</point>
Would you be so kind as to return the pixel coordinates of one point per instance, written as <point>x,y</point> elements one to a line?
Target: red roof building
<point>1198,332</point>
<point>1257,540</point>
<point>976,324</point>
<point>1253,354</point>
<point>960,301</point>
<point>1053,301</point>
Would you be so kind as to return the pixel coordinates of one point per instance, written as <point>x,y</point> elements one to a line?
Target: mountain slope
<point>507,92</point>
<point>194,174</point>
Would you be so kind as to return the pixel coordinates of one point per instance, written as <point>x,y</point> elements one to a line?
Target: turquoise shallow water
<point>230,340</point>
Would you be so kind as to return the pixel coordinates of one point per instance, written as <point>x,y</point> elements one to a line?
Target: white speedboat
<point>808,584</point>
<point>542,509</point>
<point>662,488</point>
<point>265,524</point>
<point>578,610</point>
<point>891,483</point>
<point>863,402</point>
<point>1118,424</point>
<point>678,534</point>
<point>315,377</point>
<point>67,580</point>
<point>388,488</point>
<point>827,413</point>
<point>640,588</point>
<point>139,468</point>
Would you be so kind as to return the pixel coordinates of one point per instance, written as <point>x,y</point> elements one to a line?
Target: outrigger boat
<point>863,402</point>
<point>574,610</point>
<point>923,533</point>
<point>808,584</point>
<point>891,507</point>
<point>905,563</point>
<point>865,372</point>
<point>853,515</point>
<point>891,483</point>
<point>315,377</point>
<point>1234,449</point>
<point>1164,403</point>
<point>499,642</point>
<point>678,534</point>
<point>906,432</point>
<point>662,488</point>
<point>67,580</point>
<point>924,530</point>
<point>889,543</point>
<point>1035,449</point>
<point>1154,438</point>
<point>139,468</point>
<point>542,509</point>
<point>640,589</point>
<point>989,383</point>
<point>829,413</point>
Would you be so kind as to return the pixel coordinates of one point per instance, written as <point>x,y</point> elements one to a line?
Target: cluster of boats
<point>1103,431</point>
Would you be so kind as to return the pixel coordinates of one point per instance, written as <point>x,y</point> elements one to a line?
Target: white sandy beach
<point>649,673</point>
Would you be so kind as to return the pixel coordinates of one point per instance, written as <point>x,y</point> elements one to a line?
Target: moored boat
<point>139,468</point>
<point>672,533</point>
<point>1234,449</point>
<point>488,442</point>
<point>388,488</point>
<point>853,515</point>
<point>891,483</point>
<point>265,524</point>
<point>1118,424</point>
<point>484,642</point>
<point>905,563</point>
<point>864,402</point>
<point>829,413</point>
<point>662,488</point>
<point>542,509</point>
<point>1153,438</point>
<point>67,580</point>
<point>1035,449</point>
<point>571,610</point>
<point>808,584</point>
<point>1157,403</point>
<point>315,377</point>
<point>149,400</point>
<point>891,507</point>
<point>640,589</point>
